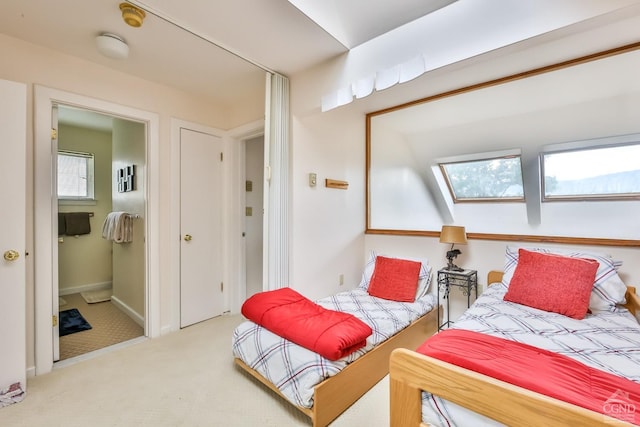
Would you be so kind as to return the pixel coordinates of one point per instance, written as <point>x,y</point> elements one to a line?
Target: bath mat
<point>71,321</point>
<point>92,297</point>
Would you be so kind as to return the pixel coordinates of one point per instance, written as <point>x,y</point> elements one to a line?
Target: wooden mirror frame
<point>502,80</point>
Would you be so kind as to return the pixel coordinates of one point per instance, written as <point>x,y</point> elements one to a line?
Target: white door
<point>201,213</point>
<point>13,139</point>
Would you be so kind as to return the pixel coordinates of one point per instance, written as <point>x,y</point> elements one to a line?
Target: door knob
<point>11,255</point>
<point>187,237</point>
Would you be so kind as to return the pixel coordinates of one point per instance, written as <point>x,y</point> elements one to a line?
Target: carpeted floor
<point>186,378</point>
<point>109,326</point>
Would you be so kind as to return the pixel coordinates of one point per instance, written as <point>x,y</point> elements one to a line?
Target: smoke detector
<point>132,15</point>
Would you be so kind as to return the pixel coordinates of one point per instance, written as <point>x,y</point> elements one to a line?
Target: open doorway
<point>101,280</point>
<point>254,214</point>
<point>46,208</point>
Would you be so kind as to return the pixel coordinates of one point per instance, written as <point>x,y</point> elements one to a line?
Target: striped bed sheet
<point>294,370</point>
<point>609,341</point>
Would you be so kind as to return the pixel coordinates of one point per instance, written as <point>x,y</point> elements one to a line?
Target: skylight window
<point>595,173</point>
<point>485,180</point>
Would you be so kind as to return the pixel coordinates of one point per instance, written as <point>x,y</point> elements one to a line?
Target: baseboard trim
<point>128,311</point>
<point>84,288</point>
<point>31,371</point>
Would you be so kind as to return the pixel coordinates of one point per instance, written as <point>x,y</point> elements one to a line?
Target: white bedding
<point>609,341</point>
<point>294,370</point>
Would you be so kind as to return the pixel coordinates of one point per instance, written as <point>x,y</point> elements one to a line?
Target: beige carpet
<point>186,378</point>
<point>109,326</point>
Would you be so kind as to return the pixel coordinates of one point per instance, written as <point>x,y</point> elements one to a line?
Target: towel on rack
<point>77,223</point>
<point>62,227</point>
<point>118,226</point>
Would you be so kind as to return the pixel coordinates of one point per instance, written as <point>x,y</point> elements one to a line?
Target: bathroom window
<point>75,175</point>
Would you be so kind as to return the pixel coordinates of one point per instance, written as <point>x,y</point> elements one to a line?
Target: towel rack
<point>88,213</point>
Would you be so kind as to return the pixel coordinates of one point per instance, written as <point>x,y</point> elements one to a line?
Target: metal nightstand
<point>465,279</point>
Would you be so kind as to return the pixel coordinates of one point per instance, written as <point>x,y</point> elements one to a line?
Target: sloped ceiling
<point>219,49</point>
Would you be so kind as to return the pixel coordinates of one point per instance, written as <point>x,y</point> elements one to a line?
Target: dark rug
<point>71,321</point>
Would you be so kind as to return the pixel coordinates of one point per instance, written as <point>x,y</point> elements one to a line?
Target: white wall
<point>328,225</point>
<point>86,260</point>
<point>129,148</point>
<point>31,64</point>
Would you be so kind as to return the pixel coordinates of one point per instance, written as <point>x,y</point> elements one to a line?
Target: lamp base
<point>453,253</point>
<point>453,267</point>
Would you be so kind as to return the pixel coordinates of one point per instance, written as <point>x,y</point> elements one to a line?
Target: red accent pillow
<point>394,279</point>
<point>553,283</point>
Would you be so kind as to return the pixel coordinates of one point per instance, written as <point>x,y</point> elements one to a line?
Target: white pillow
<point>424,278</point>
<point>608,289</point>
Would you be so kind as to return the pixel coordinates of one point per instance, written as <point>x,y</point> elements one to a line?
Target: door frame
<point>239,136</point>
<point>174,228</point>
<point>234,176</point>
<point>260,211</point>
<point>203,257</point>
<point>45,205</point>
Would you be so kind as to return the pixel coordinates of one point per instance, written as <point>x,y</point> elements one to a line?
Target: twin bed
<point>426,390</point>
<point>321,388</point>
<point>594,327</point>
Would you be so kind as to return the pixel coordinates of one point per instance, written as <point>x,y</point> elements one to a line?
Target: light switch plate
<point>313,179</point>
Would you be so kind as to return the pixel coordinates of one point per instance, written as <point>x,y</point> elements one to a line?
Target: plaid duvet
<point>609,341</point>
<point>294,370</point>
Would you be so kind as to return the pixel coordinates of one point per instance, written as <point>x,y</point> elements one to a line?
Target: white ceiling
<point>354,22</point>
<point>198,45</point>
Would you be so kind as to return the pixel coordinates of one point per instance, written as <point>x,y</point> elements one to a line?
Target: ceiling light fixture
<point>112,45</point>
<point>132,15</point>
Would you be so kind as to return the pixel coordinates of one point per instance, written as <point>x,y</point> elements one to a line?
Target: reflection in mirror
<point>576,104</point>
<point>483,180</point>
<point>593,173</point>
<point>180,57</point>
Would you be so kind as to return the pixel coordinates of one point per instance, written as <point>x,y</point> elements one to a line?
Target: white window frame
<point>90,182</point>
<point>577,147</point>
<point>481,157</point>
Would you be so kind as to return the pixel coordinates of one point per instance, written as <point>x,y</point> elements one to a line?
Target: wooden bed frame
<point>411,373</point>
<point>337,393</point>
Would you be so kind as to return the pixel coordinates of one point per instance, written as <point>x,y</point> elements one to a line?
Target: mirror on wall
<point>575,103</point>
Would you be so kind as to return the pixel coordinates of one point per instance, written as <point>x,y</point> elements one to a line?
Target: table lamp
<point>453,234</point>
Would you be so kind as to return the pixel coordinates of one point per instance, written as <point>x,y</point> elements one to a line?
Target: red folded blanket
<point>539,370</point>
<point>331,334</point>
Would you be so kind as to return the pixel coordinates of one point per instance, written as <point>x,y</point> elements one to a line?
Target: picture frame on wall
<point>126,178</point>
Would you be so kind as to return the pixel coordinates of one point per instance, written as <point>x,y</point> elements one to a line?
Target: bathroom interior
<point>101,250</point>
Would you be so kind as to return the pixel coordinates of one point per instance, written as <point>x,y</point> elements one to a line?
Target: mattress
<point>294,370</point>
<point>609,341</point>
